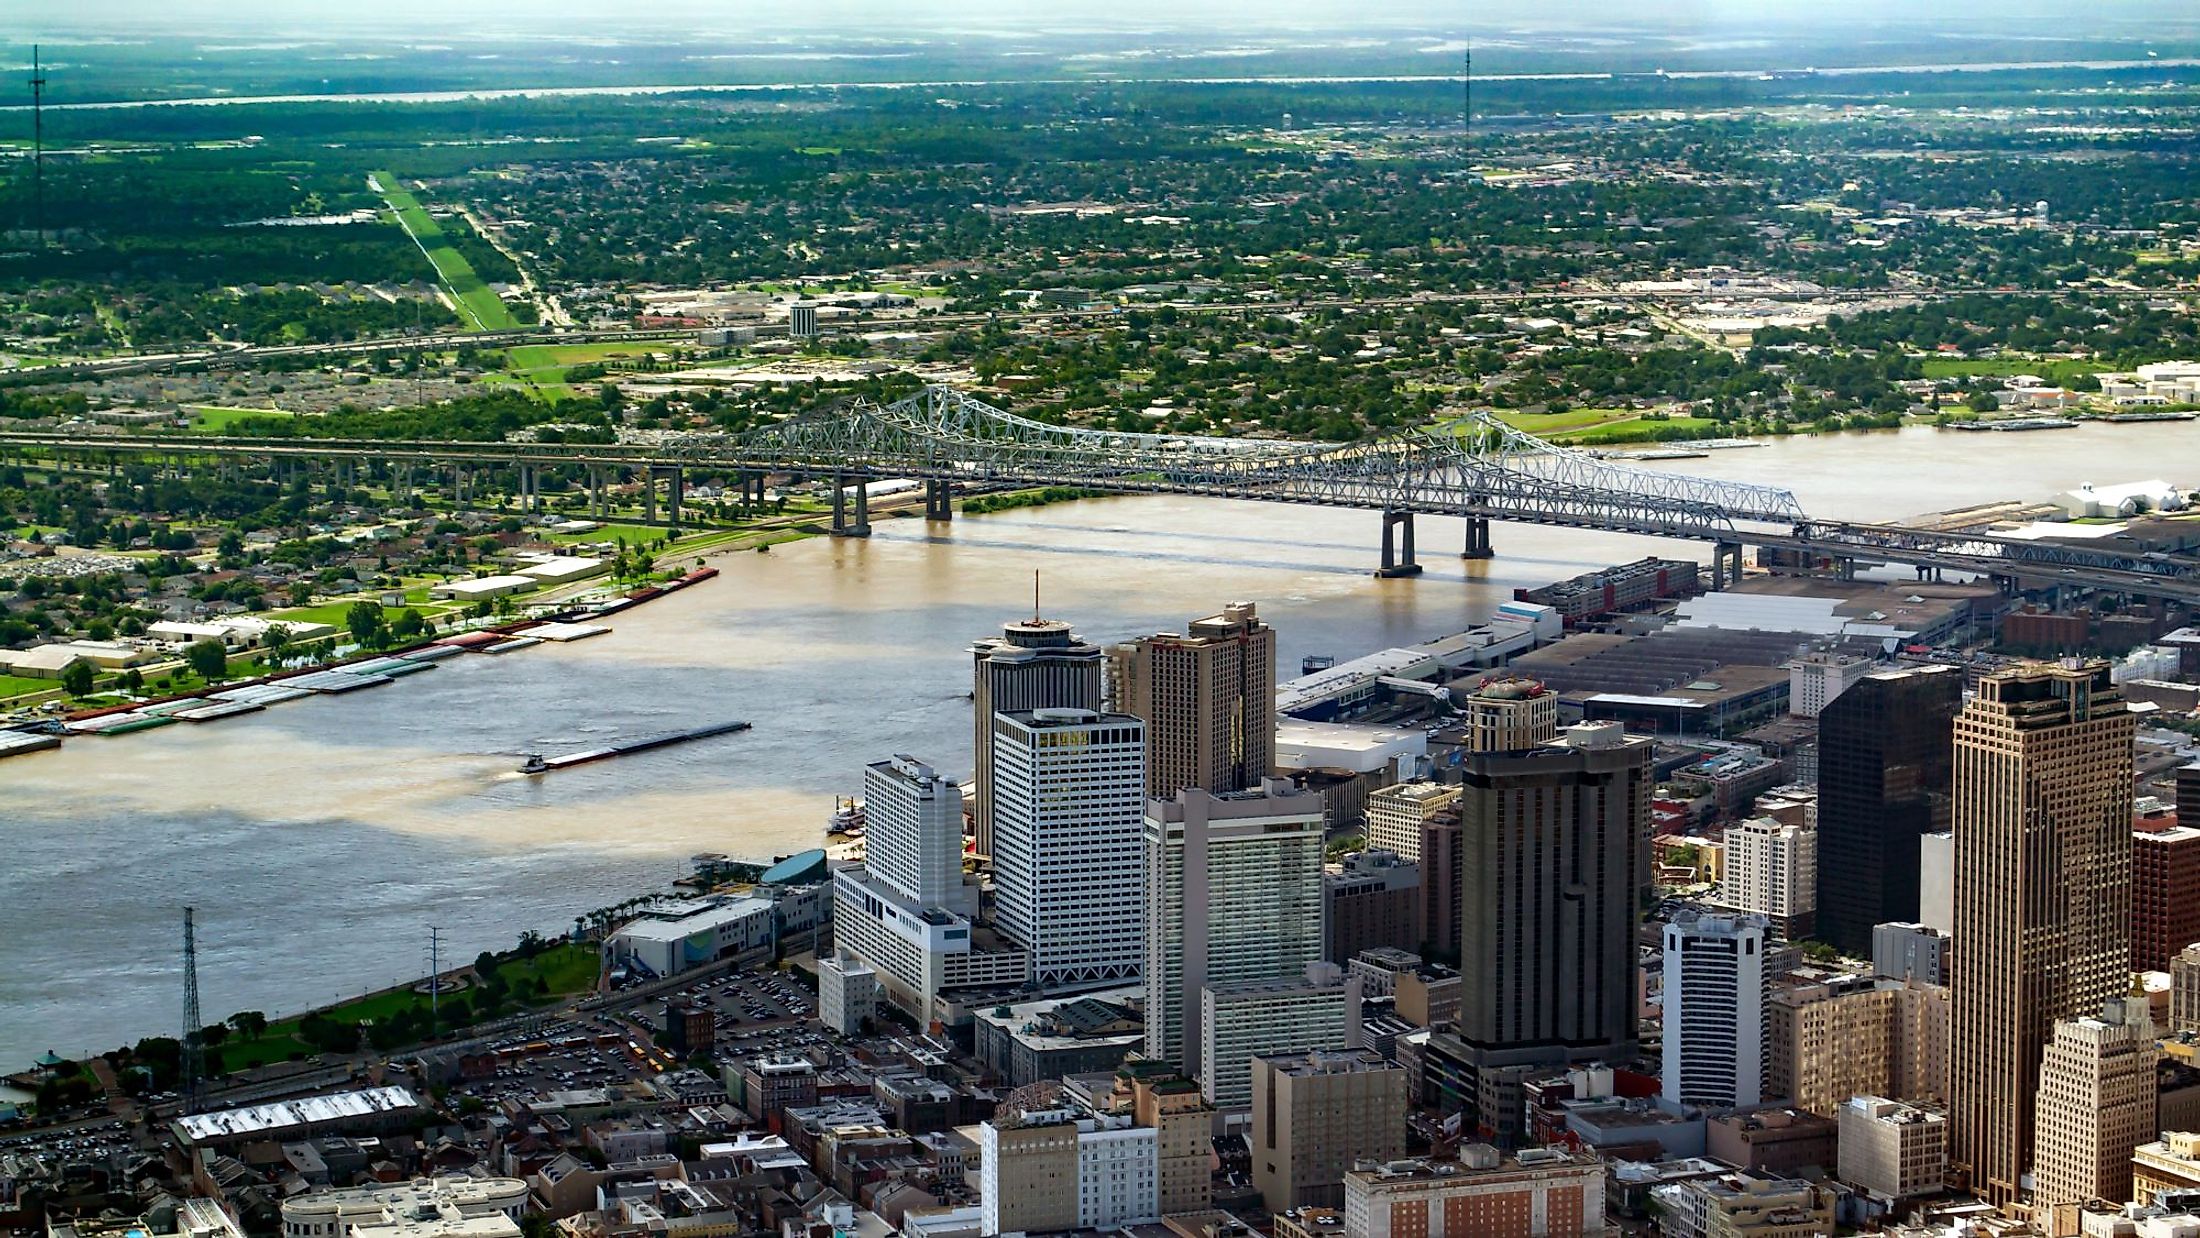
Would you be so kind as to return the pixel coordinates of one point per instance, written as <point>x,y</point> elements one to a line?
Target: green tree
<point>77,680</point>
<point>366,624</point>
<point>277,641</point>
<point>1981,402</point>
<point>249,1023</point>
<point>208,659</point>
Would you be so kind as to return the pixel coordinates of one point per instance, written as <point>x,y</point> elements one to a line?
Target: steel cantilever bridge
<point>1476,468</point>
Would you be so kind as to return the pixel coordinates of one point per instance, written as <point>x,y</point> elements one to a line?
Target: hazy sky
<point>60,17</point>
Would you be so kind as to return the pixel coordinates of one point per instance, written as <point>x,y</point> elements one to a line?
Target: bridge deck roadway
<point>2168,577</point>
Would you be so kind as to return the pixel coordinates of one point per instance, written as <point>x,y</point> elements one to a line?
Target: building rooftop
<point>281,1115</point>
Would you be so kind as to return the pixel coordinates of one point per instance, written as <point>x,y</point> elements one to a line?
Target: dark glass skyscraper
<point>1884,778</point>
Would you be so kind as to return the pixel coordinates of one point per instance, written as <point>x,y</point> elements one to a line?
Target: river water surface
<point>321,838</point>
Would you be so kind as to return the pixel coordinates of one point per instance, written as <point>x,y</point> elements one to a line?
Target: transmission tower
<point>435,979</point>
<point>38,147</point>
<point>193,1058</point>
<point>1466,101</point>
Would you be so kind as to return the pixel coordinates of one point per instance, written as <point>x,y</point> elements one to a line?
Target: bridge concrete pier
<point>675,490</point>
<point>1478,539</point>
<point>1926,571</point>
<point>939,501</point>
<point>1726,565</point>
<point>530,499</point>
<point>1397,548</point>
<point>851,492</point>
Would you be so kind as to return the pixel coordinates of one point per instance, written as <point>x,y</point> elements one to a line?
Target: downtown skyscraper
<point>1034,663</point>
<point>2042,816</point>
<point>1208,696</point>
<point>1884,779</point>
<point>1068,858</point>
<point>1548,869</point>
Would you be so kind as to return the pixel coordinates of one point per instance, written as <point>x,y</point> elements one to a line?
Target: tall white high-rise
<point>1233,896</point>
<point>914,830</point>
<point>1714,1010</point>
<point>1068,804</point>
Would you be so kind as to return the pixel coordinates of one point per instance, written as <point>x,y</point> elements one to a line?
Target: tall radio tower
<point>1466,100</point>
<point>193,1060</point>
<point>38,147</point>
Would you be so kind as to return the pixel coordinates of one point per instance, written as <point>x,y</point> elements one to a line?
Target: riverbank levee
<point>319,840</point>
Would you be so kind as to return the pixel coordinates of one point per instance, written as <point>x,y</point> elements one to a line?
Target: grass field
<point>332,613</point>
<point>1572,419</point>
<point>18,685</point>
<point>563,969</point>
<point>2054,371</point>
<point>542,367</point>
<point>636,535</point>
<point>215,419</point>
<point>478,304</point>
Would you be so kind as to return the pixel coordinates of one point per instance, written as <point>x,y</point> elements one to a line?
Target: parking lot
<point>93,1143</point>
<point>757,1013</point>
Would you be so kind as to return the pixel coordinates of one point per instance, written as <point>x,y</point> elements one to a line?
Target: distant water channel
<point>320,839</point>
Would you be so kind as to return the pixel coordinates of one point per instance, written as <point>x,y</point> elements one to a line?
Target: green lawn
<point>1571,419</point>
<point>2058,371</point>
<point>217,419</point>
<point>636,535</point>
<point>565,969</point>
<point>477,302</point>
<point>543,367</point>
<point>333,613</point>
<point>18,685</point>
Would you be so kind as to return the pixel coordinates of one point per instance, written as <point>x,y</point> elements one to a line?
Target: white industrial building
<point>678,934</point>
<point>2164,382</point>
<point>2127,499</point>
<point>1355,747</point>
<point>1714,1010</point>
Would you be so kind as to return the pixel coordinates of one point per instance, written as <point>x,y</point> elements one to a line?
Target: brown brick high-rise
<point>2043,774</point>
<point>1208,698</point>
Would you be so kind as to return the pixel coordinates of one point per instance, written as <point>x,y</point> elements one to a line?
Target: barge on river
<point>543,765</point>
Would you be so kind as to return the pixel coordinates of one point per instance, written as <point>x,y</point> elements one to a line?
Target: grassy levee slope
<point>477,303</point>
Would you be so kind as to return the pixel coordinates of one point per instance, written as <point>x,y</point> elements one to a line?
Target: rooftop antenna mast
<point>1035,595</point>
<point>38,146</point>
<point>192,1063</point>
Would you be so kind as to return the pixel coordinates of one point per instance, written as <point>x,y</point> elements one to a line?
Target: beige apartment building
<point>1827,1041</point>
<point>1396,815</point>
<point>2096,1106</point>
<point>1314,1115</point>
<point>2042,814</point>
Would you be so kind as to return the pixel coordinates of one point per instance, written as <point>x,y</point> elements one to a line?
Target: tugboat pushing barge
<point>537,764</point>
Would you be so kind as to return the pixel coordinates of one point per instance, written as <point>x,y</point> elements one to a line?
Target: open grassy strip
<point>477,302</point>
<point>2059,370</point>
<point>214,419</point>
<point>562,971</point>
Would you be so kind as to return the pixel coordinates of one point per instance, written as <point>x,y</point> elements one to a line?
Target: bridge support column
<point>1478,538</point>
<point>840,506</point>
<point>649,495</point>
<point>675,490</point>
<point>939,501</point>
<point>1726,565</point>
<point>861,525</point>
<point>1397,548</point>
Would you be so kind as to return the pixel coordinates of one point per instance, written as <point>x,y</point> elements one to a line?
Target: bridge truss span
<point>1477,467</point>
